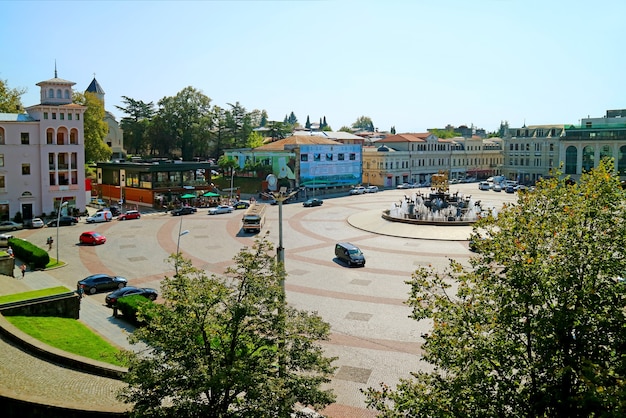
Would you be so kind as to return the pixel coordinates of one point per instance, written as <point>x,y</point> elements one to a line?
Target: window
<point>1,160</point>
<point>316,157</point>
<point>45,115</point>
<point>73,138</point>
<point>54,115</point>
<point>26,169</point>
<point>304,157</point>
<point>352,156</point>
<point>49,137</point>
<point>341,156</point>
<point>25,138</point>
<point>1,136</point>
<point>69,116</point>
<point>329,157</point>
<point>78,116</point>
<point>2,182</point>
<point>59,94</point>
<point>67,94</point>
<point>62,116</point>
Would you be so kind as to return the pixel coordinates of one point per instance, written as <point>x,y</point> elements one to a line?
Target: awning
<point>211,194</point>
<point>188,196</point>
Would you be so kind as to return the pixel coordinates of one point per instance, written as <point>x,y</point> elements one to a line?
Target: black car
<point>63,221</point>
<point>185,210</point>
<point>241,205</point>
<point>98,282</point>
<point>313,202</point>
<point>146,292</point>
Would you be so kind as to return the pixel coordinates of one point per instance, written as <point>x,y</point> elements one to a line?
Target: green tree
<point>345,129</point>
<point>10,99</point>
<point>277,130</point>
<point>393,130</point>
<point>308,122</point>
<point>443,133</point>
<point>255,139</point>
<point>292,120</point>
<point>363,123</point>
<point>537,324</point>
<point>95,128</point>
<point>135,123</point>
<point>184,115</point>
<point>228,346</point>
<point>238,125</point>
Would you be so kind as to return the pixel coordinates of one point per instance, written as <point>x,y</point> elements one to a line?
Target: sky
<point>413,65</point>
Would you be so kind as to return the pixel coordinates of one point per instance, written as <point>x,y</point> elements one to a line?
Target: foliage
<point>29,253</point>
<point>135,124</point>
<point>255,140</point>
<point>228,346</point>
<point>95,128</point>
<point>345,129</point>
<point>10,98</point>
<point>443,133</point>
<point>393,130</point>
<point>69,335</point>
<point>130,305</point>
<point>227,164</point>
<point>536,327</point>
<point>363,123</point>
<point>278,130</point>
<point>308,122</point>
<point>291,120</point>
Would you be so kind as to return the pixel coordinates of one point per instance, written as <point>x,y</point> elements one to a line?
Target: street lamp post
<point>180,234</point>
<point>63,204</point>
<point>232,174</point>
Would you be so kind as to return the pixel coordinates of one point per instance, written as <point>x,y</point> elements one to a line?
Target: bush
<point>29,253</point>
<point>18,218</point>
<point>129,306</point>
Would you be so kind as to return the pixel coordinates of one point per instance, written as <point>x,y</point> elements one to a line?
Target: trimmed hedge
<point>129,305</point>
<point>29,253</point>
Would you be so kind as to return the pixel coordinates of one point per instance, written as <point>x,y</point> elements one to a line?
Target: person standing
<point>10,252</point>
<point>23,269</point>
<point>81,291</point>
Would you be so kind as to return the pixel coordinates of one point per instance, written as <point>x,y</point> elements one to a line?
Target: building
<point>311,162</point>
<point>42,155</point>
<point>115,136</point>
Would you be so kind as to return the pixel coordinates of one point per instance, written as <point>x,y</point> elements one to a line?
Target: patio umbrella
<point>188,196</point>
<point>211,194</point>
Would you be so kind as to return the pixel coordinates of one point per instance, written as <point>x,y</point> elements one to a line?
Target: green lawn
<point>34,294</point>
<point>68,335</point>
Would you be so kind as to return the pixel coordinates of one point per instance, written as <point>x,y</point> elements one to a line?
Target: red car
<point>92,238</point>
<point>131,214</point>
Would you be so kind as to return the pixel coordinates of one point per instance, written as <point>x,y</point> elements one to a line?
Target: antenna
<point>55,68</point>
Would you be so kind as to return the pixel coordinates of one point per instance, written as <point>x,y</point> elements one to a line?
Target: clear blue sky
<point>409,64</point>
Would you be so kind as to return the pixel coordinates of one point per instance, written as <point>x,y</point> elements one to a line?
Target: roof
<point>16,117</point>
<point>297,140</point>
<point>57,81</point>
<point>336,135</point>
<point>94,87</point>
<point>415,137</point>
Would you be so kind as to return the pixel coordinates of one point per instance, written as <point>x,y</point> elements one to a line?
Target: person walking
<point>81,291</point>
<point>23,269</point>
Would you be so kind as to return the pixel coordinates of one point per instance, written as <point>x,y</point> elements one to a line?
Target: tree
<point>10,99</point>
<point>537,325</point>
<point>363,123</point>
<point>443,133</point>
<point>227,346</point>
<point>393,130</point>
<point>95,128</point>
<point>136,123</point>
<point>255,139</point>
<point>308,122</point>
<point>292,120</point>
<point>345,129</point>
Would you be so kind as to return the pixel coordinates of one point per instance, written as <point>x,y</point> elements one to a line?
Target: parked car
<point>63,221</point>
<point>358,190</point>
<point>10,226</point>
<point>99,282</point>
<point>113,209</point>
<point>147,292</point>
<point>92,238</point>
<point>34,223</point>
<point>131,214</point>
<point>497,187</point>
<point>350,254</point>
<point>312,202</point>
<point>404,186</point>
<point>371,189</point>
<point>241,205</point>
<point>102,216</point>
<point>510,189</point>
<point>4,239</point>
<point>185,210</point>
<point>484,185</point>
<point>220,209</point>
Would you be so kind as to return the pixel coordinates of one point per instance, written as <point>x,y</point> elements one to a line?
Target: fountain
<point>437,207</point>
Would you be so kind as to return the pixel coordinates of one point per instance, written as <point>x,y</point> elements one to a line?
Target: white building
<point>42,156</point>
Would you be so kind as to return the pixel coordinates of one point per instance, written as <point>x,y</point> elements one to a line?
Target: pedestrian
<point>49,241</point>
<point>23,268</point>
<point>10,252</point>
<point>81,291</point>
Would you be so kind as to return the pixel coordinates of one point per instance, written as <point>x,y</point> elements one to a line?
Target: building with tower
<point>115,137</point>
<point>42,155</point>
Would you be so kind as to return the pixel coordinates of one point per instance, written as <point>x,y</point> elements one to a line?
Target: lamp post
<point>232,174</point>
<point>63,204</point>
<point>180,234</point>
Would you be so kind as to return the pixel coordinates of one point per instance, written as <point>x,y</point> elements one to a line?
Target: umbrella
<point>211,194</point>
<point>188,196</point>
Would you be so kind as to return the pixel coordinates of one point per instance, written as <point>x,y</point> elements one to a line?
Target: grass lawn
<point>34,294</point>
<point>68,335</point>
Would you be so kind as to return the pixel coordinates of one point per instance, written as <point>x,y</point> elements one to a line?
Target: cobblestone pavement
<point>371,332</point>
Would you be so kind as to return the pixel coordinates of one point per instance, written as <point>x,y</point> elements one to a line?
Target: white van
<point>104,216</point>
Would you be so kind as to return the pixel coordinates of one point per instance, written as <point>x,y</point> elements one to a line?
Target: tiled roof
<point>56,80</point>
<point>16,117</point>
<point>297,140</point>
<point>417,137</point>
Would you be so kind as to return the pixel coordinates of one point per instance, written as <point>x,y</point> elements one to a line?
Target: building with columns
<point>42,156</point>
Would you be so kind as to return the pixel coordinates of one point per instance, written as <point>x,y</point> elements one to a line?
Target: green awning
<point>211,194</point>
<point>188,196</point>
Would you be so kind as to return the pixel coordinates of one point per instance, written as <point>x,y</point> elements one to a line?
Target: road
<point>372,335</point>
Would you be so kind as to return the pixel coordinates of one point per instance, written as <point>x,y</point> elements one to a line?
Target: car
<point>371,189</point>
<point>358,190</point>
<point>350,254</point>
<point>404,186</point>
<point>92,238</point>
<point>10,226</point>
<point>63,221</point>
<point>220,209</point>
<point>4,239</point>
<point>497,187</point>
<point>34,223</point>
<point>130,214</point>
<point>99,282</point>
<point>96,201</point>
<point>113,209</point>
<point>241,205</point>
<point>147,292</point>
<point>312,202</point>
<point>484,185</point>
<point>185,210</point>
<point>100,216</point>
<point>510,189</point>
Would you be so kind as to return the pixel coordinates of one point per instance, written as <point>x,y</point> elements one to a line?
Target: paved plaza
<point>372,335</point>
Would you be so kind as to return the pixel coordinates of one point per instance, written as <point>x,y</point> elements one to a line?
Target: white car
<point>371,189</point>
<point>358,190</point>
<point>221,209</point>
<point>483,185</point>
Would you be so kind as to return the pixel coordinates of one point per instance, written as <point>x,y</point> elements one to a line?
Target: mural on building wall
<point>329,166</point>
